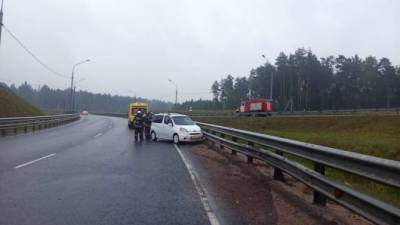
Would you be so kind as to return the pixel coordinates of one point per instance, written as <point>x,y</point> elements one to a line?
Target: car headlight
<point>183,130</point>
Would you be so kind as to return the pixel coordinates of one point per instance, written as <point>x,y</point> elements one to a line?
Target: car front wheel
<point>176,139</point>
<point>153,136</point>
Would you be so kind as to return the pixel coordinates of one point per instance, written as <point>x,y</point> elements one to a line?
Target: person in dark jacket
<point>147,125</point>
<point>138,123</point>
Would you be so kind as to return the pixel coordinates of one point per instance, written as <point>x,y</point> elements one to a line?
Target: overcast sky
<point>136,46</point>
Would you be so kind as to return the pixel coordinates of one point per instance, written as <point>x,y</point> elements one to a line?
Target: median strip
<point>33,161</point>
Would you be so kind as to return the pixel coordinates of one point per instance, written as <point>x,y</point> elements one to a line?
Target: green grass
<point>12,105</point>
<point>373,134</point>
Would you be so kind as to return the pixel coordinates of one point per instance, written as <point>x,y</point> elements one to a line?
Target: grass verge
<point>377,135</point>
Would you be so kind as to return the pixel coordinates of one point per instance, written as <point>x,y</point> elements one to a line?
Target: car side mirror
<point>170,124</point>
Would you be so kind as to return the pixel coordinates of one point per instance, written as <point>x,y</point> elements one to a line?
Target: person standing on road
<point>147,125</point>
<point>138,123</point>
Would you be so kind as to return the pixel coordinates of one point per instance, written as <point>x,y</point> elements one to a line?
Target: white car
<point>175,127</point>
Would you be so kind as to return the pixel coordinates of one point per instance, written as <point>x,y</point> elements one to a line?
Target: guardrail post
<point>249,158</point>
<point>233,152</point>
<point>214,133</point>
<point>278,174</point>
<point>15,130</point>
<point>25,129</point>
<point>221,146</point>
<point>319,198</point>
<point>3,132</point>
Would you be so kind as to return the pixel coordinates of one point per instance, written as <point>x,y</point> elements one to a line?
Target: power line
<point>37,59</point>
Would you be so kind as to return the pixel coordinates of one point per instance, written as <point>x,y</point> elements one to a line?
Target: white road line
<point>200,190</point>
<point>33,161</point>
<point>98,135</point>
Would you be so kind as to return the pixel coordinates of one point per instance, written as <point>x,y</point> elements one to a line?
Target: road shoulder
<point>242,193</point>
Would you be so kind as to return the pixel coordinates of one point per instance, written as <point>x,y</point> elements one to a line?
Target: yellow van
<point>133,108</point>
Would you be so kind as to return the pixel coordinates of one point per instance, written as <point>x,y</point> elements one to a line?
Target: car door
<point>161,128</point>
<point>167,129</point>
<point>156,124</point>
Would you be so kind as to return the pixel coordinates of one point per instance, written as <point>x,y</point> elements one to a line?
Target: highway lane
<point>91,172</point>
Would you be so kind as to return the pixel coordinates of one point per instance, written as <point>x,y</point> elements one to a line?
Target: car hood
<point>190,128</point>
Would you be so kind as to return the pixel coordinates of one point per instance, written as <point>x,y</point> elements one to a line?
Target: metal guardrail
<point>270,149</point>
<point>37,122</point>
<point>122,115</point>
<point>339,112</point>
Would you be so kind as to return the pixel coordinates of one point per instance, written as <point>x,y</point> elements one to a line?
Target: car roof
<point>169,114</point>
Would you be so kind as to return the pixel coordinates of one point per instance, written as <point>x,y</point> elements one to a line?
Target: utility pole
<point>176,93</point>
<point>176,98</point>
<point>1,17</point>
<point>272,86</point>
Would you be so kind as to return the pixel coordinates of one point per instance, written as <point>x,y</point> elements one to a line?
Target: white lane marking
<point>33,161</point>
<point>98,135</point>
<point>200,190</point>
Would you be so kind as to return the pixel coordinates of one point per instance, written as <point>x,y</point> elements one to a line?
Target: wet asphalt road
<point>93,173</point>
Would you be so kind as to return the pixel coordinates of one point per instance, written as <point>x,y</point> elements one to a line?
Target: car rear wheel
<point>176,139</point>
<point>153,136</point>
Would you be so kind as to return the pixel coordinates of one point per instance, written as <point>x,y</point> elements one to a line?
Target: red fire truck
<point>255,107</point>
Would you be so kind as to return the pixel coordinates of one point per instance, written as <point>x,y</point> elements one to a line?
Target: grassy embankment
<point>377,135</point>
<point>12,105</point>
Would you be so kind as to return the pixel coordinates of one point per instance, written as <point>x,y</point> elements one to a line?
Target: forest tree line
<point>306,82</point>
<point>58,100</point>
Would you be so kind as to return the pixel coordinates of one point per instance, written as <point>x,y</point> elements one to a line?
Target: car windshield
<point>183,120</point>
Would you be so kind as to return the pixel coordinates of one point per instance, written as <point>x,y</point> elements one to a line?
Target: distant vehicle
<point>175,127</point>
<point>84,113</point>
<point>255,107</point>
<point>133,109</point>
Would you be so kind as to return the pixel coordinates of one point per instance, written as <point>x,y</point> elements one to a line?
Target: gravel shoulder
<point>243,193</point>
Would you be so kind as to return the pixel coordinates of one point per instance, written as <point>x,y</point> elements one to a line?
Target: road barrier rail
<point>122,115</point>
<point>271,150</point>
<point>14,124</point>
<point>338,112</point>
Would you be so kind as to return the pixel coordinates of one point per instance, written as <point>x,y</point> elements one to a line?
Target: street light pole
<point>72,83</point>
<point>176,93</point>
<point>1,17</point>
<point>74,96</point>
<point>271,82</point>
